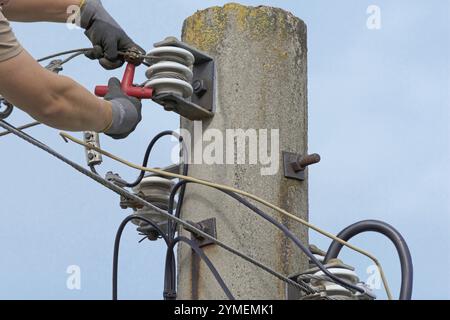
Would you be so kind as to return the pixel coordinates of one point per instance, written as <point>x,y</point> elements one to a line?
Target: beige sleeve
<point>9,46</point>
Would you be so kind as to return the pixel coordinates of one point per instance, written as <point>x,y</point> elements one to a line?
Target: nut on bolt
<point>199,87</point>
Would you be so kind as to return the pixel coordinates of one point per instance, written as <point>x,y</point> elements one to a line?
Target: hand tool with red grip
<point>127,86</point>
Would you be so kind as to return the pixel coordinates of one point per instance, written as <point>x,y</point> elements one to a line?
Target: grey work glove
<point>105,32</point>
<point>126,111</point>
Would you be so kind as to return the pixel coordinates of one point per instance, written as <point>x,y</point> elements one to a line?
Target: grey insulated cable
<point>26,126</point>
<point>122,192</point>
<point>393,235</point>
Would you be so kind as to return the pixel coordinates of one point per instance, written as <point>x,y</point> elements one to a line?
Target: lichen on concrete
<point>206,28</point>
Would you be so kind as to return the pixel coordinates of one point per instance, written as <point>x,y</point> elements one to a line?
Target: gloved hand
<point>126,111</point>
<point>105,32</point>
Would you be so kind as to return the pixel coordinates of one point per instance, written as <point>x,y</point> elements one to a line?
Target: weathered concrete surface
<point>261,56</point>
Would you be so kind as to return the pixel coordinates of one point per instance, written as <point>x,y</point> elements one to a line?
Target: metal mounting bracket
<point>202,103</point>
<point>288,159</point>
<point>208,226</point>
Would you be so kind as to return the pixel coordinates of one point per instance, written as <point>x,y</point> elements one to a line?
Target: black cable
<point>71,57</point>
<point>393,235</point>
<point>170,271</point>
<point>205,259</point>
<point>285,230</point>
<point>170,277</point>
<point>150,149</point>
<point>117,246</point>
<point>82,50</point>
<point>170,254</point>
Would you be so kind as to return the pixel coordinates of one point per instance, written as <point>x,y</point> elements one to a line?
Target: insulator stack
<point>170,71</point>
<point>155,190</point>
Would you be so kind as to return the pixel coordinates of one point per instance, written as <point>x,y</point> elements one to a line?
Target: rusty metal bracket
<point>295,165</point>
<point>208,226</point>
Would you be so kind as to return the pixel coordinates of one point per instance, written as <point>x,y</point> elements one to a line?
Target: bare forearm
<point>71,107</point>
<point>42,10</point>
<point>54,100</point>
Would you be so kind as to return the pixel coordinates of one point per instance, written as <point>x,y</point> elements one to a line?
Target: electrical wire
<point>392,234</point>
<point>71,57</point>
<point>170,276</point>
<point>170,273</point>
<point>63,53</point>
<point>123,192</point>
<point>205,259</point>
<point>68,138</point>
<point>150,149</point>
<point>117,247</point>
<point>185,171</point>
<point>170,269</point>
<point>26,126</point>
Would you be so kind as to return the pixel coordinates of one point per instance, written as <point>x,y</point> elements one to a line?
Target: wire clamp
<point>116,179</point>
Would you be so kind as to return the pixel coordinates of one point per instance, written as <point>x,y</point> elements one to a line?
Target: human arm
<point>42,10</point>
<point>100,27</point>
<point>62,103</point>
<point>54,100</point>
<point>57,100</point>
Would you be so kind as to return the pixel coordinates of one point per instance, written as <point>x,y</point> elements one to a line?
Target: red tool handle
<point>127,86</point>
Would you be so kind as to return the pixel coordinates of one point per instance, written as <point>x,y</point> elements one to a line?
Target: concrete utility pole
<point>261,59</point>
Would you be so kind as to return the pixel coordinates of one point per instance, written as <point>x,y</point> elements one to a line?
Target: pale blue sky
<point>379,116</point>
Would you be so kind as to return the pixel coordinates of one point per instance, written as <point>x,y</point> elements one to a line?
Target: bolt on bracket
<point>295,165</point>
